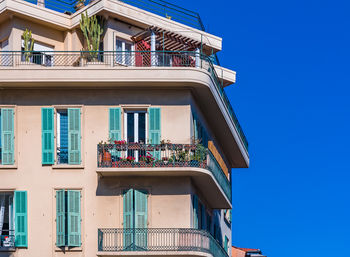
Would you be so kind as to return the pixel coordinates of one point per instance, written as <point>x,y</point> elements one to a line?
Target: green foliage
<point>92,28</point>
<point>28,44</point>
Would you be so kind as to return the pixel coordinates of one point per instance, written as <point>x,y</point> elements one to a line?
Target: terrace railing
<point>158,239</point>
<point>115,59</point>
<point>137,155</point>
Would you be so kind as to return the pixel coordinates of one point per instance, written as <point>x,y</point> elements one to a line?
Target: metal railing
<point>138,155</point>
<point>117,59</point>
<point>7,239</point>
<point>158,239</point>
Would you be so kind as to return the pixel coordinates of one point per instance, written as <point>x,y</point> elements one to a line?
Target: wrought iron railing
<point>7,239</point>
<point>137,155</point>
<point>115,59</point>
<point>158,239</point>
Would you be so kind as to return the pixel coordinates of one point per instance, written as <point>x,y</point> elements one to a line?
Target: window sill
<point>68,249</point>
<point>7,249</point>
<point>12,166</point>
<point>67,166</point>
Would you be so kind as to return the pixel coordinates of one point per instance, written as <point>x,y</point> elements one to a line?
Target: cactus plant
<point>92,28</point>
<point>28,44</point>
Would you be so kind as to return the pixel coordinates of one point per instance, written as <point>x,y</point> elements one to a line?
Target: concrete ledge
<point>155,253</point>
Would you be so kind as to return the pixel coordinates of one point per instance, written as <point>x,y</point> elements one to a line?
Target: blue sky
<point>292,99</point>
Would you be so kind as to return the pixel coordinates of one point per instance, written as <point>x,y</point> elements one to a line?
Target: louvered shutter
<point>74,218</point>
<point>60,218</point>
<point>47,135</point>
<point>154,129</point>
<point>128,219</point>
<point>195,212</point>
<point>115,127</point>
<point>74,145</point>
<point>21,234</point>
<point>141,219</point>
<point>7,136</point>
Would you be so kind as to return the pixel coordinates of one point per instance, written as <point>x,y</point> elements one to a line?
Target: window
<point>42,54</point>
<point>226,244</point>
<point>199,131</point>
<point>135,210</point>
<point>7,137</point>
<point>13,219</point>
<point>68,136</point>
<point>201,217</point>
<point>68,218</point>
<point>6,59</point>
<point>124,52</point>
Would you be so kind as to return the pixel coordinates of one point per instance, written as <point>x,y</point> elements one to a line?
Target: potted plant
<point>92,28</point>
<point>28,42</point>
<point>80,4</point>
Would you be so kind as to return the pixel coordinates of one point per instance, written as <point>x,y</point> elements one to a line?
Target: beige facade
<point>80,207</point>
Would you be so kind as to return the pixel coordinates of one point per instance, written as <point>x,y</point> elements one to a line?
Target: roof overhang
<point>111,8</point>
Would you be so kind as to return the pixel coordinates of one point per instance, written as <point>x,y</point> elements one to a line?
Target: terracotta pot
<point>107,157</point>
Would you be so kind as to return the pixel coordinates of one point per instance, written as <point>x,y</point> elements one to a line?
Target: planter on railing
<point>137,155</point>
<point>158,239</point>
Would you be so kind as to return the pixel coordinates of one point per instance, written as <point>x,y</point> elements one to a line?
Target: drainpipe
<point>153,48</point>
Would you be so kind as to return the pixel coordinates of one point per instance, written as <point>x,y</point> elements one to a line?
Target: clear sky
<point>292,99</point>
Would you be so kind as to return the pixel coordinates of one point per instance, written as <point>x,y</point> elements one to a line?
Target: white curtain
<point>2,212</point>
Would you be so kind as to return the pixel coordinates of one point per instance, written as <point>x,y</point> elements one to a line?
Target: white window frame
<point>123,61</point>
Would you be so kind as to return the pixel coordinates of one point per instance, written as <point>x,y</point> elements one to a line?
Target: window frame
<point>57,165</point>
<point>123,51</point>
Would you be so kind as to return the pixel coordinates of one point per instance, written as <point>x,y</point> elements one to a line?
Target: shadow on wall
<point>113,186</point>
<point>101,96</point>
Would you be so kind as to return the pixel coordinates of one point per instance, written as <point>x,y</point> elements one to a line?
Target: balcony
<point>7,240</point>
<point>196,161</point>
<point>158,241</point>
<point>30,62</point>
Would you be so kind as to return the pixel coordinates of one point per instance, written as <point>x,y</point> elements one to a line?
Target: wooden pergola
<point>166,40</point>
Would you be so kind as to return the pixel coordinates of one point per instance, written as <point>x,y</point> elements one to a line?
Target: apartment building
<point>122,149</point>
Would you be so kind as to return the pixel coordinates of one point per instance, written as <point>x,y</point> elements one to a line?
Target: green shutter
<point>141,219</point>
<point>128,218</point>
<point>7,136</point>
<point>47,135</point>
<point>195,212</point>
<point>74,145</point>
<point>74,218</point>
<point>154,129</point>
<point>60,218</point>
<point>115,124</point>
<point>226,244</point>
<point>115,128</point>
<point>21,234</point>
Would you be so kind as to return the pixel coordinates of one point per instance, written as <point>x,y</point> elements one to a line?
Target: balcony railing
<point>137,155</point>
<point>158,239</point>
<point>116,59</point>
<point>7,239</point>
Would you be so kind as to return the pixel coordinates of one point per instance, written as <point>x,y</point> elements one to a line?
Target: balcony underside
<point>156,253</point>
<point>202,178</point>
<point>100,77</point>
